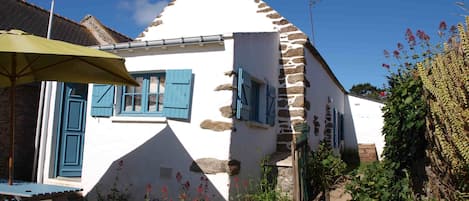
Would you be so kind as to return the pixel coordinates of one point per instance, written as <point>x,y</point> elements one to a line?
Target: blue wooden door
<point>72,130</point>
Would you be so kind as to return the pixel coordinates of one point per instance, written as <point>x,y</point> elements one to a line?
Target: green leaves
<point>404,116</point>
<point>324,168</point>
<point>377,181</point>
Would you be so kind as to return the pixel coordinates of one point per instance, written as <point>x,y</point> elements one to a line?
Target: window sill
<point>123,119</point>
<point>253,124</point>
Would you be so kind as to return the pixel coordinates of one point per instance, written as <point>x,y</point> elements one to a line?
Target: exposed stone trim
<point>225,87</point>
<point>230,73</point>
<point>328,129</point>
<point>227,111</point>
<point>265,10</point>
<point>209,166</point>
<point>216,125</point>
<point>291,103</point>
<point>214,166</point>
<point>156,23</point>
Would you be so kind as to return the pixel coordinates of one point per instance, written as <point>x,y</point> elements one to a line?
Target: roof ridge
<point>104,26</point>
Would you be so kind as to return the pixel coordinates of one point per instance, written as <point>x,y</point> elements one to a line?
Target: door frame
<point>60,99</point>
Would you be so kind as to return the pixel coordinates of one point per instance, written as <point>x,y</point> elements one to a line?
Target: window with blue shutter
<point>177,100</point>
<point>166,94</point>
<point>243,107</point>
<point>335,136</point>
<point>251,94</point>
<point>270,107</point>
<point>146,99</point>
<point>254,102</point>
<point>102,100</point>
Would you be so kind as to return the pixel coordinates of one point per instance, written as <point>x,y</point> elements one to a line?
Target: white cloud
<point>143,11</point>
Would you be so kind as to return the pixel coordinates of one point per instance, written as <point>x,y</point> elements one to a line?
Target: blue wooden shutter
<point>270,109</point>
<point>177,96</point>
<point>335,128</point>
<point>244,95</point>
<point>102,101</point>
<point>341,134</point>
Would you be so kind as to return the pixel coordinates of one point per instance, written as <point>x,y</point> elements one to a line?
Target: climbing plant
<point>404,116</point>
<point>446,82</point>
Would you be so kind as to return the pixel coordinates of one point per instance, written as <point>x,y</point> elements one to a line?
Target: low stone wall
<point>367,152</point>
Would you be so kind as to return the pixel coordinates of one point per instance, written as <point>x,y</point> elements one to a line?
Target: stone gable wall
<point>291,103</point>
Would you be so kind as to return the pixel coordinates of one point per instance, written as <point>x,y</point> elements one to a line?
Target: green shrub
<point>377,182</point>
<point>324,168</point>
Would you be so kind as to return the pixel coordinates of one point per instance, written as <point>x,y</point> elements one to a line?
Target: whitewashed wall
<point>364,124</point>
<point>107,141</point>
<point>257,54</point>
<point>146,147</point>
<point>322,89</point>
<point>206,17</point>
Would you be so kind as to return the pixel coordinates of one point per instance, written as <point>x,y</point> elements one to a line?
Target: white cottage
<point>223,82</point>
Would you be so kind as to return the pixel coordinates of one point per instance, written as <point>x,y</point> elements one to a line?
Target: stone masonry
<point>291,103</point>
<point>367,152</point>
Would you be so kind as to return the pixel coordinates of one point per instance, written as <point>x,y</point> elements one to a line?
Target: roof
<point>18,14</point>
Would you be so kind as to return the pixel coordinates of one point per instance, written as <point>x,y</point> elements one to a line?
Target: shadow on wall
<point>158,169</point>
<point>250,146</point>
<point>350,153</point>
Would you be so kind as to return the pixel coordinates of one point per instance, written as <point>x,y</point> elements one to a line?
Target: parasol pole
<point>11,159</point>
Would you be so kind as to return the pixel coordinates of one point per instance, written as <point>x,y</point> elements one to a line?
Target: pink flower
<point>396,54</point>
<point>164,190</point>
<point>422,35</point>
<point>400,46</point>
<point>187,185</point>
<point>408,32</point>
<point>386,66</point>
<point>178,177</point>
<point>386,53</point>
<point>442,26</point>
<point>148,188</point>
<point>426,37</point>
<point>453,29</point>
<point>382,93</point>
<point>410,37</point>
<point>200,189</point>
<point>411,40</point>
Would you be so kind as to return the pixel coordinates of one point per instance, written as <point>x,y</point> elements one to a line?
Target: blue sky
<point>350,35</point>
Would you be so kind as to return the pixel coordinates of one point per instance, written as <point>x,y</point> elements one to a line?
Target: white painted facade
<point>364,124</point>
<point>323,90</point>
<point>146,145</point>
<point>151,150</point>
